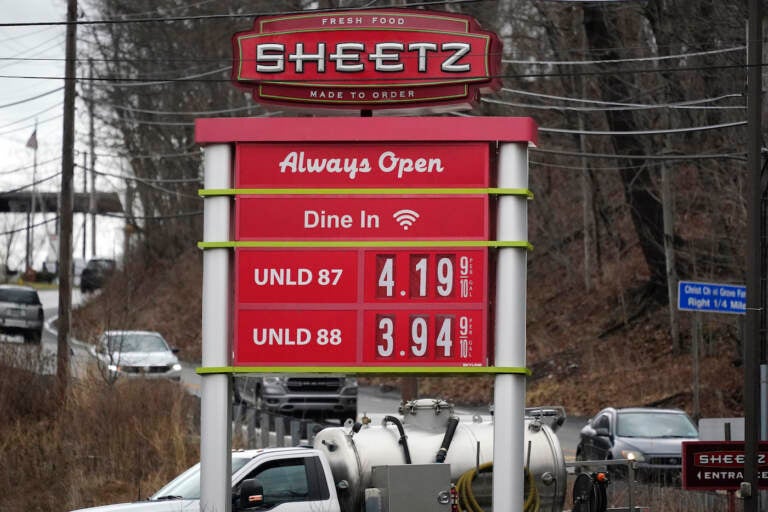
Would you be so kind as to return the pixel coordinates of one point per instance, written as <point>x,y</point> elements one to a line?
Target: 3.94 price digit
<point>423,331</point>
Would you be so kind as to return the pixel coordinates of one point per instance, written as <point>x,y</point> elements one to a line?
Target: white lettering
<point>281,336</point>
<point>389,161</point>
<point>323,220</point>
<point>282,276</point>
<point>299,163</point>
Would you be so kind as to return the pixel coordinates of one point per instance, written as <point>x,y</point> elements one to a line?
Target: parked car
<point>96,273</point>
<point>136,354</point>
<point>651,437</point>
<point>21,312</point>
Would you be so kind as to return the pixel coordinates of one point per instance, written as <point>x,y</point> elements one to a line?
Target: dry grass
<point>103,443</point>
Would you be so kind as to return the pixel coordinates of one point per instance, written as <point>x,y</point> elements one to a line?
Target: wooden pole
<point>66,200</point>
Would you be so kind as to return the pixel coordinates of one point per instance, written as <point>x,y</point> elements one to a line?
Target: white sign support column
<point>215,410</point>
<point>509,336</point>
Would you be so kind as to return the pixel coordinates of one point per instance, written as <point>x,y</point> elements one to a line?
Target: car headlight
<point>632,455</point>
<point>273,385</point>
<point>176,367</point>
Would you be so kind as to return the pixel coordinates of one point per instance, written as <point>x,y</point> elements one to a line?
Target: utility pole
<point>92,144</point>
<point>85,217</point>
<point>749,487</point>
<point>66,199</point>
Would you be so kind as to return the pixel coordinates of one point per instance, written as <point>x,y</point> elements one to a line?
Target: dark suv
<point>95,274</point>
<point>21,312</point>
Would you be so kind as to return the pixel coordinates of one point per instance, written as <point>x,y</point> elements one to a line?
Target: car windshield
<point>136,342</point>
<point>654,424</point>
<point>19,296</point>
<point>187,485</point>
<point>101,264</point>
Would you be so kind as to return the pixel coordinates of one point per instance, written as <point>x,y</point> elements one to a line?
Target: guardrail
<point>259,429</point>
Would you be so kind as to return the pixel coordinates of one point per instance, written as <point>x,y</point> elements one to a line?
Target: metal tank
<point>417,436</point>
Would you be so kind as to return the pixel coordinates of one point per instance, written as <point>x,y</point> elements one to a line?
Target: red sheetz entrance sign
<point>719,465</point>
<point>367,59</point>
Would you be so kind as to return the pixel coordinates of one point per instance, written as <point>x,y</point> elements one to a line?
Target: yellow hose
<point>468,503</point>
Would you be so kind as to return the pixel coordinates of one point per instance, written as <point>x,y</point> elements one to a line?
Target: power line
<point>147,181</point>
<point>32,98</point>
<point>703,156</point>
<point>36,123</point>
<point>154,217</point>
<point>608,109</point>
<point>41,223</point>
<point>29,185</point>
<point>186,113</point>
<point>597,167</point>
<point>614,61</point>
<point>222,16</point>
<point>644,132</point>
<point>57,105</point>
<point>127,81</point>
<point>27,167</point>
<point>682,104</point>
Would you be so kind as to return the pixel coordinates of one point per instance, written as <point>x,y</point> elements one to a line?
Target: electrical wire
<point>644,132</point>
<point>57,105</point>
<point>36,123</point>
<point>186,113</point>
<point>615,61</point>
<point>703,156</point>
<point>609,109</point>
<point>154,217</point>
<point>29,185</point>
<point>41,223</point>
<point>123,81</point>
<point>223,16</point>
<point>19,102</point>
<point>27,167</point>
<point>145,180</point>
<point>598,167</point>
<point>623,104</point>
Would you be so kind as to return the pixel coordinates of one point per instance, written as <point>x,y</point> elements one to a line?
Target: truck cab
<point>295,479</point>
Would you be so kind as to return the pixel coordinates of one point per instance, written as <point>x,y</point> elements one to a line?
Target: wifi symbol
<point>405,218</point>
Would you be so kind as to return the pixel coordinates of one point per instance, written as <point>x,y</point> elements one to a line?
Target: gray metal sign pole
<point>509,335</point>
<point>215,410</point>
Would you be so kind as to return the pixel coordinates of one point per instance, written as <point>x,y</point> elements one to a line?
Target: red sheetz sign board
<point>379,306</point>
<point>367,59</point>
<point>719,465</point>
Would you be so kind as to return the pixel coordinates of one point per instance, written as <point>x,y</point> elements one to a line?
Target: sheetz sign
<point>719,465</point>
<point>367,59</point>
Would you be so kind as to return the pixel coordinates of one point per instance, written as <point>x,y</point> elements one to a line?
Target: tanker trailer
<point>429,432</point>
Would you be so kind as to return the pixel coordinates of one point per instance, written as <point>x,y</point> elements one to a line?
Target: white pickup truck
<point>398,466</point>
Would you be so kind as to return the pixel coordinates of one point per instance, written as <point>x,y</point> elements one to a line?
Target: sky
<point>43,50</point>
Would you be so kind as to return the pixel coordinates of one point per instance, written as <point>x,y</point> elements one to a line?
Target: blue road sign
<point>712,297</point>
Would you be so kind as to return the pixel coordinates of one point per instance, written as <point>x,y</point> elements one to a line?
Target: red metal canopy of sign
<point>365,129</point>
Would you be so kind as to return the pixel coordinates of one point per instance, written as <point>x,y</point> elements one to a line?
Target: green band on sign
<point>420,370</point>
<point>363,191</point>
<point>364,243</point>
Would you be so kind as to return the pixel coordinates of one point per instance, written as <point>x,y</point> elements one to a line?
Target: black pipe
<point>403,438</point>
<point>447,438</point>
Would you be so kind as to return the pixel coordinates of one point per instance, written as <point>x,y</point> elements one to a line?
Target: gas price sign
<point>363,306</point>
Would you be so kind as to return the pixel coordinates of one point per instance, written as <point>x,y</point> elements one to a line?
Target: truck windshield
<point>187,485</point>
